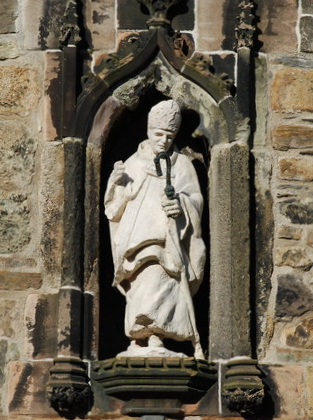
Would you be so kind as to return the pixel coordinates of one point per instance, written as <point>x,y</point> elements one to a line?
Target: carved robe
<point>158,260</point>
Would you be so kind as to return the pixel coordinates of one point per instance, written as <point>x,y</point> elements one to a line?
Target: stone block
<point>11,319</point>
<point>293,297</point>
<point>299,212</point>
<point>17,166</point>
<point>292,90</point>
<point>19,90</point>
<point>306,33</point>
<point>9,48</point>
<point>309,387</point>
<point>41,320</point>
<point>27,388</point>
<point>295,257</point>
<point>278,23</point>
<point>209,34</point>
<point>309,237</point>
<point>300,335</point>
<point>51,206</point>
<point>289,232</point>
<point>296,168</point>
<point>307,7</point>
<point>8,14</point>
<point>229,224</point>
<point>20,280</point>
<point>287,388</point>
<point>286,137</point>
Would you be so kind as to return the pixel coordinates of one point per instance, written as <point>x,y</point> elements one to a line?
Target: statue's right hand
<point>118,172</point>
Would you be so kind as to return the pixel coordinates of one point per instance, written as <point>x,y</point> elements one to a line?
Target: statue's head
<point>163,123</point>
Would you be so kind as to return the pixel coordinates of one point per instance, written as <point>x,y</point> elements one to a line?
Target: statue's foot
<point>198,351</point>
<point>155,341</point>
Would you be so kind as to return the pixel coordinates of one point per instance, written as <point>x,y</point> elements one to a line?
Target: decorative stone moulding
<point>67,390</point>
<point>243,389</point>
<point>145,382</point>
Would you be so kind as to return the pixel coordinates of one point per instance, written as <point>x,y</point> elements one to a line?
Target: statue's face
<point>160,139</point>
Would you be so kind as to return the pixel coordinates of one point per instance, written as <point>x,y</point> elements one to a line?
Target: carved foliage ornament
<point>245,30</point>
<point>158,10</point>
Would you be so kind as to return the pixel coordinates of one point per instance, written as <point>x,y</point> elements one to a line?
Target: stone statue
<point>154,205</point>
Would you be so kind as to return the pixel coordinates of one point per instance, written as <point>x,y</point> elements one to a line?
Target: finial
<point>158,10</point>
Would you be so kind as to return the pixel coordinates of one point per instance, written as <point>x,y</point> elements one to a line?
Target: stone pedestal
<point>154,385</point>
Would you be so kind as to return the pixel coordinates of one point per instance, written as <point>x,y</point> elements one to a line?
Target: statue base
<point>155,385</point>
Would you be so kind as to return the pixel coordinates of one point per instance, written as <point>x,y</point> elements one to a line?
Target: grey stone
<point>8,14</point>
<point>307,6</point>
<point>229,224</point>
<point>306,32</point>
<point>293,297</point>
<point>299,213</point>
<point>295,257</point>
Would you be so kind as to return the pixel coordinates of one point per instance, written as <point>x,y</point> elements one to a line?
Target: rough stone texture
<point>209,40</point>
<point>306,31</point>
<point>8,14</point>
<point>307,6</point>
<point>296,168</point>
<point>292,90</point>
<point>293,297</point>
<point>229,224</point>
<point>51,204</point>
<point>100,23</point>
<point>27,388</point>
<point>309,238</point>
<point>19,90</point>
<point>289,232</point>
<point>9,48</point>
<point>41,320</point>
<point>295,257</point>
<point>299,212</point>
<point>19,281</point>
<point>17,162</point>
<point>309,382</point>
<point>300,335</point>
<point>11,317</point>
<point>286,137</point>
<point>278,22</point>
<point>287,389</point>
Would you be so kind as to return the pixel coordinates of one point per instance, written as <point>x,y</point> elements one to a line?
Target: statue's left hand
<point>171,207</point>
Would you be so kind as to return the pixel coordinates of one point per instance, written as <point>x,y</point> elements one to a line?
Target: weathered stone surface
<point>278,22</point>
<point>51,204</point>
<point>19,281</point>
<point>41,320</point>
<point>307,6</point>
<point>229,224</point>
<point>295,257</point>
<point>309,386</point>
<point>309,237</point>
<point>11,318</point>
<point>296,168</point>
<point>8,262</point>
<point>27,388</point>
<point>17,163</point>
<point>299,212</point>
<point>19,90</point>
<point>209,40</point>
<point>300,335</point>
<point>306,33</point>
<point>286,137</point>
<point>292,90</point>
<point>9,49</point>
<point>8,14</point>
<point>289,232</point>
<point>287,389</point>
<point>100,21</point>
<point>293,297</point>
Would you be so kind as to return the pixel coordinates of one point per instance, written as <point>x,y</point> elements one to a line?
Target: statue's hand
<point>171,207</point>
<point>118,172</point>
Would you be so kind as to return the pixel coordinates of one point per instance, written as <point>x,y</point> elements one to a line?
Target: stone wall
<point>32,185</point>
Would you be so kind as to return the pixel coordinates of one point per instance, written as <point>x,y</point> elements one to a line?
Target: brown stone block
<point>309,386</point>
<point>292,137</point>
<point>100,21</point>
<point>41,319</point>
<point>27,388</point>
<point>289,232</point>
<point>19,90</point>
<point>300,335</point>
<point>292,90</point>
<point>288,391</point>
<point>296,168</point>
<point>11,319</point>
<point>19,281</point>
<point>210,36</point>
<point>309,238</point>
<point>306,33</point>
<point>295,257</point>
